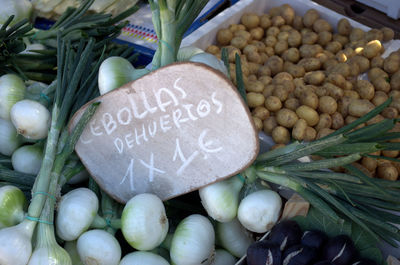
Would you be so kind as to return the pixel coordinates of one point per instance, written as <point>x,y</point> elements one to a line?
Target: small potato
<point>269,51</point>
<point>296,70</point>
<point>309,38</point>
<point>377,61</point>
<point>269,124</point>
<point>273,103</point>
<point>349,52</point>
<point>286,28</point>
<point>300,82</point>
<point>308,114</point>
<point>264,71</point>
<point>250,49</point>
<point>264,57</point>
<point>280,47</point>
<point>325,121</point>
<point>280,92</point>
<point>344,27</point>
<point>275,63</point>
<point>243,33</point>
<point>375,72</point>
<point>381,84</point>
<point>314,78</point>
<point>321,91</point>
<point>327,105</point>
<point>253,57</point>
<point>341,39</point>
<point>274,11</point>
<point>333,46</point>
<point>307,50</point>
<point>257,33</point>
<point>254,86</point>
<point>337,121</point>
<point>365,89</point>
<point>268,90</point>
<point>280,135</point>
<point>278,21</point>
<point>286,117</point>
<point>261,112</point>
<point>298,22</point>
<point>310,64</point>
<point>273,31</point>
<point>379,98</point>
<point>292,103</point>
<point>232,51</point>
<point>363,63</point>
<point>281,77</point>
<point>336,79</point>
<point>265,79</point>
<point>372,49</point>
<point>351,94</point>
<point>255,99</point>
<point>390,113</point>
<point>310,17</point>
<point>309,99</point>
<point>310,135</point>
<point>360,107</point>
<point>395,81</point>
<point>341,57</point>
<point>343,106</point>
<point>324,37</point>
<point>394,94</point>
<point>356,34</point>
<point>369,163</point>
<point>294,38</point>
<point>265,21</point>
<point>387,171</point>
<point>324,132</point>
<point>299,129</point>
<point>374,34</point>
<point>213,49</point>
<point>288,13</point>
<point>291,55</point>
<point>390,153</point>
<point>391,65</point>
<point>270,41</point>
<point>329,65</point>
<point>321,25</point>
<point>224,37</point>
<point>283,36</point>
<point>238,42</point>
<point>334,91</point>
<point>388,34</point>
<point>354,69</point>
<point>250,20</point>
<point>258,124</point>
<point>253,68</point>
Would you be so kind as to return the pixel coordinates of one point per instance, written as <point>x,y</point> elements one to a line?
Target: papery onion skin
<point>98,247</point>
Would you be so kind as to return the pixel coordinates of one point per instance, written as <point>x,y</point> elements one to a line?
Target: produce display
<point>300,80</point>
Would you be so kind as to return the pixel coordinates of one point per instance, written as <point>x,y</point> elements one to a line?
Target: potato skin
<point>372,49</point>
<point>344,27</point>
<point>327,105</point>
<point>360,107</point>
<point>365,89</point>
<point>299,129</point>
<point>250,20</point>
<point>280,135</point>
<point>308,114</point>
<point>286,118</point>
<point>310,17</point>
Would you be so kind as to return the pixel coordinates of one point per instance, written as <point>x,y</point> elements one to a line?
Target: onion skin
<point>12,90</point>
<point>9,138</point>
<point>143,258</point>
<point>27,159</point>
<point>12,204</point>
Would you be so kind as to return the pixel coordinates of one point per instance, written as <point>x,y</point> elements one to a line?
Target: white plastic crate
<point>390,7</point>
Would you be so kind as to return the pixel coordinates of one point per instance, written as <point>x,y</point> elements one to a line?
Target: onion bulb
<point>76,211</point>
<point>27,159</point>
<point>12,90</point>
<point>210,60</point>
<point>144,222</point>
<point>15,243</point>
<point>260,210</point>
<point>143,258</point>
<point>12,203</point>
<point>99,247</point>
<point>221,199</point>
<point>234,237</point>
<point>31,119</point>
<point>21,9</point>
<point>185,53</point>
<point>10,140</point>
<point>71,248</point>
<point>115,72</point>
<point>193,241</point>
<point>223,257</point>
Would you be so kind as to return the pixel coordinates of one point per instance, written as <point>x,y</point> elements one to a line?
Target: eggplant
<point>314,239</point>
<point>340,250</point>
<point>299,255</point>
<point>364,261</point>
<point>264,252</point>
<point>286,234</point>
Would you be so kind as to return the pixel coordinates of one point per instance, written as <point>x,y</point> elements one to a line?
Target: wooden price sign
<point>170,132</point>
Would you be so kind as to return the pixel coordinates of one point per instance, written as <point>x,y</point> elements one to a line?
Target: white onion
<point>15,243</point>
<point>71,248</point>
<point>143,258</point>
<point>27,159</point>
<point>98,247</point>
<point>221,199</point>
<point>144,221</point>
<point>54,255</point>
<point>19,8</point>
<point>12,90</point>
<point>193,241</point>
<point>185,53</point>
<point>234,237</point>
<point>12,203</point>
<point>76,211</point>
<point>31,119</point>
<point>10,140</point>
<point>210,60</point>
<point>223,257</point>
<point>260,210</point>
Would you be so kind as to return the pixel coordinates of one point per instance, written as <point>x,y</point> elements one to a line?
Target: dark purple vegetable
<point>286,234</point>
<point>264,252</point>
<point>340,250</point>
<point>364,261</point>
<point>323,262</point>
<point>299,255</point>
<point>314,239</point>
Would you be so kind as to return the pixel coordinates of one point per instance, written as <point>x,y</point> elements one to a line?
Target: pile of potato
<point>303,78</point>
